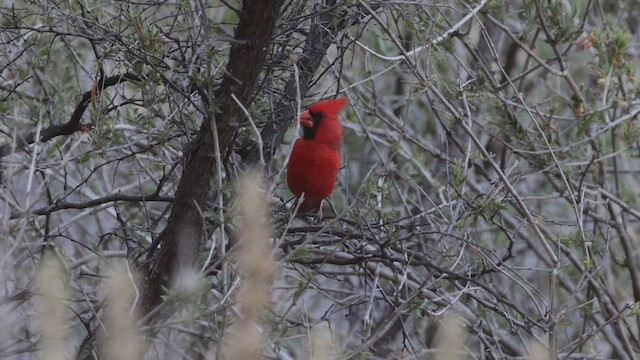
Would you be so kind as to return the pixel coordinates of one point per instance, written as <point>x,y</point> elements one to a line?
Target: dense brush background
<point>487,207</point>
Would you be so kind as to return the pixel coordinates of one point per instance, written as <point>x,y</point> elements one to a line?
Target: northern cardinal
<point>315,158</point>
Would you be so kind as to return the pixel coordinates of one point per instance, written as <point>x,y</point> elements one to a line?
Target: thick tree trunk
<point>180,241</point>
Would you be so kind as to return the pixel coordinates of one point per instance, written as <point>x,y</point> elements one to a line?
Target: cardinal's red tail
<point>309,206</point>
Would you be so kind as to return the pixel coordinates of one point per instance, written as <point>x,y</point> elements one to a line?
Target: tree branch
<point>92,203</point>
<point>73,125</point>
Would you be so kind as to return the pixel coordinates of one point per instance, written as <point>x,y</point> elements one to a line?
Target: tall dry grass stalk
<point>52,283</point>
<point>450,339</point>
<point>539,351</point>
<point>122,339</point>
<point>321,343</point>
<point>255,266</point>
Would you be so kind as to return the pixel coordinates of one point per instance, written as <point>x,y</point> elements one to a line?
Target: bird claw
<point>317,218</point>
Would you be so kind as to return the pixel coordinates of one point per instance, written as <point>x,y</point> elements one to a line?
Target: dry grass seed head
<point>122,340</point>
<point>254,265</point>
<point>52,284</point>
<point>450,339</point>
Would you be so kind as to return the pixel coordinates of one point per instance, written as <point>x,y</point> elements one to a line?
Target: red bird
<point>315,158</point>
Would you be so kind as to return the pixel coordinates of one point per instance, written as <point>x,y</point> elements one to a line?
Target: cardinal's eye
<point>316,116</point>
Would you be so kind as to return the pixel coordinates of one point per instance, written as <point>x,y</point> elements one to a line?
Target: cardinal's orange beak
<point>306,120</point>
